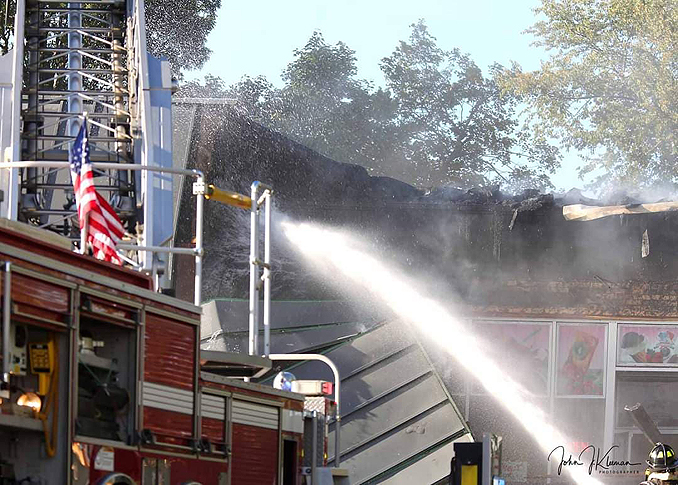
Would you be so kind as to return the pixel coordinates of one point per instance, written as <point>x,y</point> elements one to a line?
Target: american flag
<point>105,228</point>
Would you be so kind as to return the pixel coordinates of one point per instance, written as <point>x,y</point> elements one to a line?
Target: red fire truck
<point>104,382</point>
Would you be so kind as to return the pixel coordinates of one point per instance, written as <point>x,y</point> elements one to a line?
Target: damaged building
<point>584,312</point>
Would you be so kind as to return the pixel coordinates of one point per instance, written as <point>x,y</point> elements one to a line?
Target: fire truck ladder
<point>79,58</point>
<point>76,60</point>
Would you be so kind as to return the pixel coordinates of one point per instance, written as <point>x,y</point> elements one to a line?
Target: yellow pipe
<point>51,405</point>
<point>228,197</point>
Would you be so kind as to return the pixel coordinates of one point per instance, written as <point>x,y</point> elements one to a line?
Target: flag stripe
<point>111,217</point>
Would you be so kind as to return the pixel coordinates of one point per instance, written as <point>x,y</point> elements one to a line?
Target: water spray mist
<point>343,255</point>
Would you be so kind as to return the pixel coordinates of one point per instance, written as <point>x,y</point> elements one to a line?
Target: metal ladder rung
<point>56,114</point>
<point>105,139</point>
<point>63,76</point>
<point>57,212</point>
<point>64,94</point>
<point>48,212</point>
<point>112,110</point>
<point>66,10</point>
<point>103,188</point>
<point>89,50</point>
<point>86,2</point>
<point>83,71</point>
<point>99,155</point>
<point>57,35</point>
<point>32,88</point>
<point>111,139</point>
<point>104,30</point>
<point>59,55</point>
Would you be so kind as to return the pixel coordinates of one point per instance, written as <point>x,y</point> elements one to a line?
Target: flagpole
<point>83,235</point>
<point>85,229</point>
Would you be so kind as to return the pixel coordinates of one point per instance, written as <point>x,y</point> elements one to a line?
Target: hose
<point>52,404</point>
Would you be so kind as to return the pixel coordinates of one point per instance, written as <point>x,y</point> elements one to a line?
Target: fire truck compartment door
<point>254,414</point>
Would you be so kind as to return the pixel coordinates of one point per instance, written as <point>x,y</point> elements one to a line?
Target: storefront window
<point>581,421</point>
<point>581,360</point>
<point>522,349</point>
<point>657,393</point>
<point>642,345</point>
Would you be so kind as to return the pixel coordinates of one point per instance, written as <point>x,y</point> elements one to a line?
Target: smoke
<point>622,194</point>
<point>353,265</point>
<point>227,269</point>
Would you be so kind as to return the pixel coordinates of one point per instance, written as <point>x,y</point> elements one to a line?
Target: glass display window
<point>581,421</point>
<point>647,345</point>
<point>580,360</point>
<point>520,348</point>
<point>657,392</point>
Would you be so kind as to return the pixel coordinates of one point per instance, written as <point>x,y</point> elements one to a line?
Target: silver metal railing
<point>256,267</point>
<point>337,384</point>
<point>6,319</point>
<point>197,251</point>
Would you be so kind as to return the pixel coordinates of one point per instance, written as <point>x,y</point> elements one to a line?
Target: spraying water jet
<point>343,255</point>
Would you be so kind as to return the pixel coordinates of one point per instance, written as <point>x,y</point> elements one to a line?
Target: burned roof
<point>478,242</point>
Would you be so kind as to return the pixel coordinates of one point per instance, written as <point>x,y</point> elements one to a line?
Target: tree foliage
<point>327,108</point>
<point>610,87</point>
<point>457,126</point>
<point>178,29</point>
<point>437,121</point>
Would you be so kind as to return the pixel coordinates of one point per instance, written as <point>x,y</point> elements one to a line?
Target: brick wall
<point>579,299</point>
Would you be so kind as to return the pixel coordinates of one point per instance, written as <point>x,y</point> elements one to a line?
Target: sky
<point>258,38</point>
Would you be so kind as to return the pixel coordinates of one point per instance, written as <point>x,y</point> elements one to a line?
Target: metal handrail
<point>256,202</point>
<point>6,319</point>
<point>337,384</point>
<point>197,174</point>
<point>17,84</point>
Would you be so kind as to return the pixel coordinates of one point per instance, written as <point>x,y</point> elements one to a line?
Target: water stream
<point>344,257</point>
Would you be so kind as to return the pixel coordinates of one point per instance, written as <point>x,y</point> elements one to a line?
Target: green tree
<point>178,29</point>
<point>321,105</point>
<point>610,87</point>
<point>438,121</point>
<point>326,107</point>
<point>211,87</point>
<point>457,127</point>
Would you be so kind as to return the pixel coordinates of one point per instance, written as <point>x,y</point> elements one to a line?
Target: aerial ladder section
<point>68,61</point>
